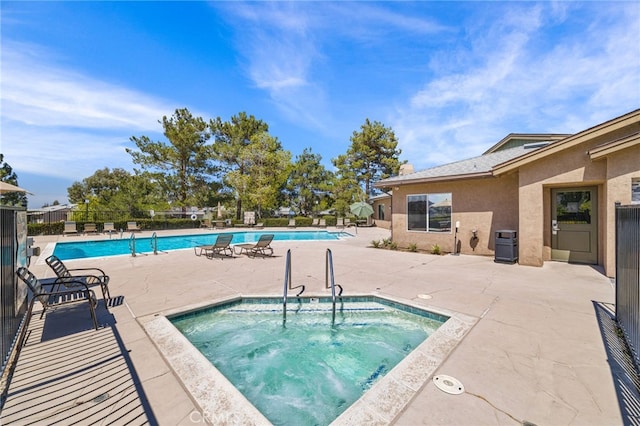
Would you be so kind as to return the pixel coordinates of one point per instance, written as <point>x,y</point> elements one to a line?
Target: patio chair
<point>220,247</point>
<point>340,223</point>
<point>133,227</point>
<point>70,228</point>
<point>292,223</point>
<point>109,228</point>
<point>70,292</point>
<point>89,277</point>
<point>261,247</point>
<point>90,228</point>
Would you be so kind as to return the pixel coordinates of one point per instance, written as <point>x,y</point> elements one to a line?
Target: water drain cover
<point>448,384</point>
<point>100,398</point>
<point>424,296</point>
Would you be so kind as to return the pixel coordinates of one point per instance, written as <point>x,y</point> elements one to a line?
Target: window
<point>429,212</point>
<point>573,207</point>
<point>635,191</point>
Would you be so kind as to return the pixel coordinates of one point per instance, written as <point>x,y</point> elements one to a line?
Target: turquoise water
<point>117,246</point>
<point>306,371</point>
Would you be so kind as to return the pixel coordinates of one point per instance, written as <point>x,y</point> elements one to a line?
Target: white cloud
<point>520,85</point>
<point>58,122</point>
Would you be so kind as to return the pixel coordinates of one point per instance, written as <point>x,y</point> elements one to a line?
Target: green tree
<point>118,191</point>
<point>231,140</point>
<point>8,175</point>
<point>183,168</point>
<point>309,183</point>
<point>373,155</point>
<point>266,167</point>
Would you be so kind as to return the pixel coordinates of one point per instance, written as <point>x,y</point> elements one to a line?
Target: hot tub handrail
<point>287,282</point>
<point>132,244</point>
<point>330,282</point>
<point>288,285</point>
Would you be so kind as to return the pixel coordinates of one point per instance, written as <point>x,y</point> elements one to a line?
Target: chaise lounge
<point>133,227</point>
<point>261,247</point>
<point>70,228</point>
<point>71,292</point>
<point>220,247</point>
<point>87,276</point>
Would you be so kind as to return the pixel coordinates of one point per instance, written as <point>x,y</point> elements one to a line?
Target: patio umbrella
<point>219,210</point>
<point>7,187</point>
<point>361,209</point>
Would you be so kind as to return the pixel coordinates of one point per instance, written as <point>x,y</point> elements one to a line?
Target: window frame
<point>441,196</point>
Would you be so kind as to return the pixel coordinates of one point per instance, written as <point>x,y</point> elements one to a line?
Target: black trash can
<point>506,246</point>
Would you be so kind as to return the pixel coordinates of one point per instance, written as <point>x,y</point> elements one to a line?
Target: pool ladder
<point>132,244</point>
<point>288,286</point>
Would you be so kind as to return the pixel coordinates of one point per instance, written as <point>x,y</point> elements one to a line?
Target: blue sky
<point>450,78</point>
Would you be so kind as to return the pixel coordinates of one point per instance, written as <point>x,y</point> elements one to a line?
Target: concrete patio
<point>544,349</point>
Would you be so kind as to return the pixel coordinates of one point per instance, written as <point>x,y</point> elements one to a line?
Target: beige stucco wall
<point>568,169</point>
<point>386,202</point>
<point>486,205</point>
<point>622,168</point>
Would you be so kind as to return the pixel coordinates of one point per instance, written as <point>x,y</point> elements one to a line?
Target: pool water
<point>309,369</point>
<point>120,246</point>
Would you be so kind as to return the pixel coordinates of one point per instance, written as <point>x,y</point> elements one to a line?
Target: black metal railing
<point>628,275</point>
<point>12,254</point>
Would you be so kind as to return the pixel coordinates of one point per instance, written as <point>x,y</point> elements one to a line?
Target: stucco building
<point>557,192</point>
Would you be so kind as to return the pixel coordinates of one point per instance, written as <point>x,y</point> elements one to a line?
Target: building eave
<point>603,151</point>
<point>392,184</point>
<point>572,141</point>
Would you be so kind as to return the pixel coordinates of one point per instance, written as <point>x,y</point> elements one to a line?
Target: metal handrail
<point>154,243</point>
<point>330,279</point>
<point>287,285</point>
<point>132,244</point>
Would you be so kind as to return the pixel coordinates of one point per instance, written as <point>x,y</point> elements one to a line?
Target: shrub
<point>375,243</point>
<point>435,249</point>
<point>413,247</point>
<point>386,242</point>
<point>393,245</point>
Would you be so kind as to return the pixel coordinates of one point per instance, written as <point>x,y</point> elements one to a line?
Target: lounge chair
<point>90,228</point>
<point>133,227</point>
<point>109,228</point>
<point>206,223</point>
<point>70,228</point>
<point>68,292</point>
<point>261,247</point>
<point>314,222</point>
<point>292,223</point>
<point>322,223</point>
<point>220,247</point>
<point>87,276</point>
<point>340,223</point>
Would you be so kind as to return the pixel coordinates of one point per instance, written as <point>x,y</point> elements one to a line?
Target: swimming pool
<point>120,246</point>
<point>311,370</point>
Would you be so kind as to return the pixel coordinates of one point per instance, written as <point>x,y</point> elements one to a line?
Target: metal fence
<point>628,275</point>
<point>13,230</point>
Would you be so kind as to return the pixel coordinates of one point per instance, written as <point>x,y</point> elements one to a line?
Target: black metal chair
<point>87,276</point>
<point>67,292</point>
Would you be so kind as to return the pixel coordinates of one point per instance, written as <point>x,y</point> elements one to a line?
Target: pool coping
<point>220,402</point>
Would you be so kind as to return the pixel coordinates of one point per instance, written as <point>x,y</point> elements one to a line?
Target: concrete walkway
<point>542,350</point>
